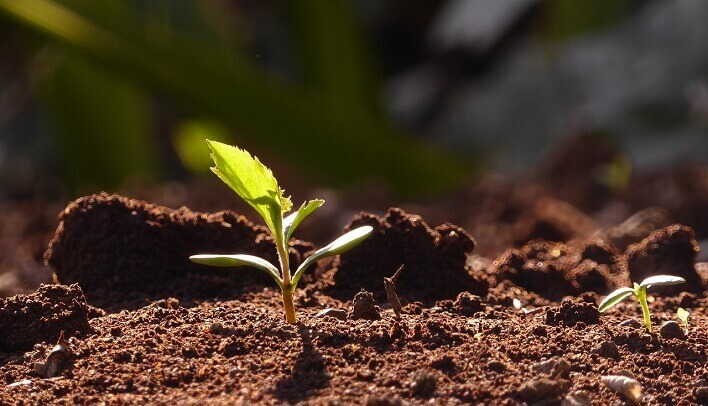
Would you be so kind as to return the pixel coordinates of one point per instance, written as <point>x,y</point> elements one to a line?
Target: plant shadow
<point>309,373</point>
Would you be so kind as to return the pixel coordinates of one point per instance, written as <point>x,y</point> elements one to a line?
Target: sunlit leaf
<point>338,246</point>
<point>291,222</point>
<point>253,181</point>
<point>614,298</point>
<point>662,280</point>
<point>238,260</point>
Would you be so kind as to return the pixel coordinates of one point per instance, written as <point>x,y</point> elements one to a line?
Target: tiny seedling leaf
<point>615,297</point>
<point>238,260</point>
<point>682,315</point>
<point>662,280</point>
<point>338,246</point>
<point>253,181</point>
<point>291,222</point>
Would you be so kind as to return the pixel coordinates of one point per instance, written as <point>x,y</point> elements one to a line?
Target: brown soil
<point>145,326</point>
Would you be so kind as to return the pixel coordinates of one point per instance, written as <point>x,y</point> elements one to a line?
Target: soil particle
<point>671,329</point>
<point>556,367</point>
<point>42,317</point>
<point>423,384</point>
<point>607,349</point>
<point>496,366</point>
<point>364,307</point>
<point>668,251</point>
<point>117,248</point>
<point>468,304</point>
<point>338,314</point>
<point>540,389</point>
<point>577,398</point>
<point>570,313</point>
<point>433,259</point>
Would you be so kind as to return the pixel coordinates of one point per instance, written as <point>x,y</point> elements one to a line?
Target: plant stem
<point>642,296</point>
<point>290,316</point>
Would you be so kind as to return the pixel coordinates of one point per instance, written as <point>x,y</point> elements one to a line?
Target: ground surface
<point>492,314</point>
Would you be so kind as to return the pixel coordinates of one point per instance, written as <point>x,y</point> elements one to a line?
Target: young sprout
<point>255,183</point>
<point>640,292</point>
<point>682,315</point>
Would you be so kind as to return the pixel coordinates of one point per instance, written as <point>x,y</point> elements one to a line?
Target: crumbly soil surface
<point>484,320</point>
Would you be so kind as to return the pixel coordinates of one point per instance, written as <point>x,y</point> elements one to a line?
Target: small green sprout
<point>682,314</point>
<point>640,292</point>
<point>255,183</point>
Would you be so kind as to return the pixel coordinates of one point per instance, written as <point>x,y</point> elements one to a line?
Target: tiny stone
<point>496,366</point>
<point>363,307</point>
<point>338,314</point>
<point>630,323</point>
<point>115,331</point>
<point>607,349</point>
<point>671,329</point>
<point>216,327</point>
<point>424,384</point>
<point>577,398</point>
<point>554,367</point>
<point>542,388</point>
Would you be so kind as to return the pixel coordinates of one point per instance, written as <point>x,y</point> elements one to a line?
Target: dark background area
<point>416,96</point>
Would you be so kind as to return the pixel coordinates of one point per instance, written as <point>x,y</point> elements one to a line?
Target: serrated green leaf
<point>253,181</point>
<point>614,298</point>
<point>238,260</point>
<point>338,246</point>
<point>291,222</point>
<point>662,280</point>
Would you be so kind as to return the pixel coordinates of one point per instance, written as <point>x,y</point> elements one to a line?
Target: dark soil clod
<point>671,329</point>
<point>434,260</point>
<point>118,248</point>
<point>570,313</point>
<point>668,251</point>
<point>42,317</point>
<point>424,384</point>
<point>364,307</point>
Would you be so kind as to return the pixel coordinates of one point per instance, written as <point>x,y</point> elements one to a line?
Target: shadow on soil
<point>308,374</point>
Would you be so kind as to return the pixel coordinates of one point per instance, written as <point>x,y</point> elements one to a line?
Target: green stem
<point>642,296</point>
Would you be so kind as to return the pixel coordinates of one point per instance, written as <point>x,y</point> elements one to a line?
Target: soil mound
<point>555,270</point>
<point>41,317</point>
<point>119,249</point>
<point>433,260</point>
<point>671,251</point>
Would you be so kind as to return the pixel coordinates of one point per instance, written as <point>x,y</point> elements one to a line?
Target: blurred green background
<point>417,95</point>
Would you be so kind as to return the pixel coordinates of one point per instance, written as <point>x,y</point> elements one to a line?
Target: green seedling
<point>255,184</point>
<point>682,314</point>
<point>640,292</point>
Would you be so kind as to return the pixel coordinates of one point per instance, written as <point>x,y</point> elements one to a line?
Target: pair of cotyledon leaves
<point>255,183</point>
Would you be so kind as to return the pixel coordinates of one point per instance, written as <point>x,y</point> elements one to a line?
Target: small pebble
<point>671,329</point>
<point>631,323</point>
<point>364,307</point>
<point>216,327</point>
<point>496,366</point>
<point>424,384</point>
<point>577,398</point>
<point>554,367</point>
<point>338,314</point>
<point>607,349</point>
